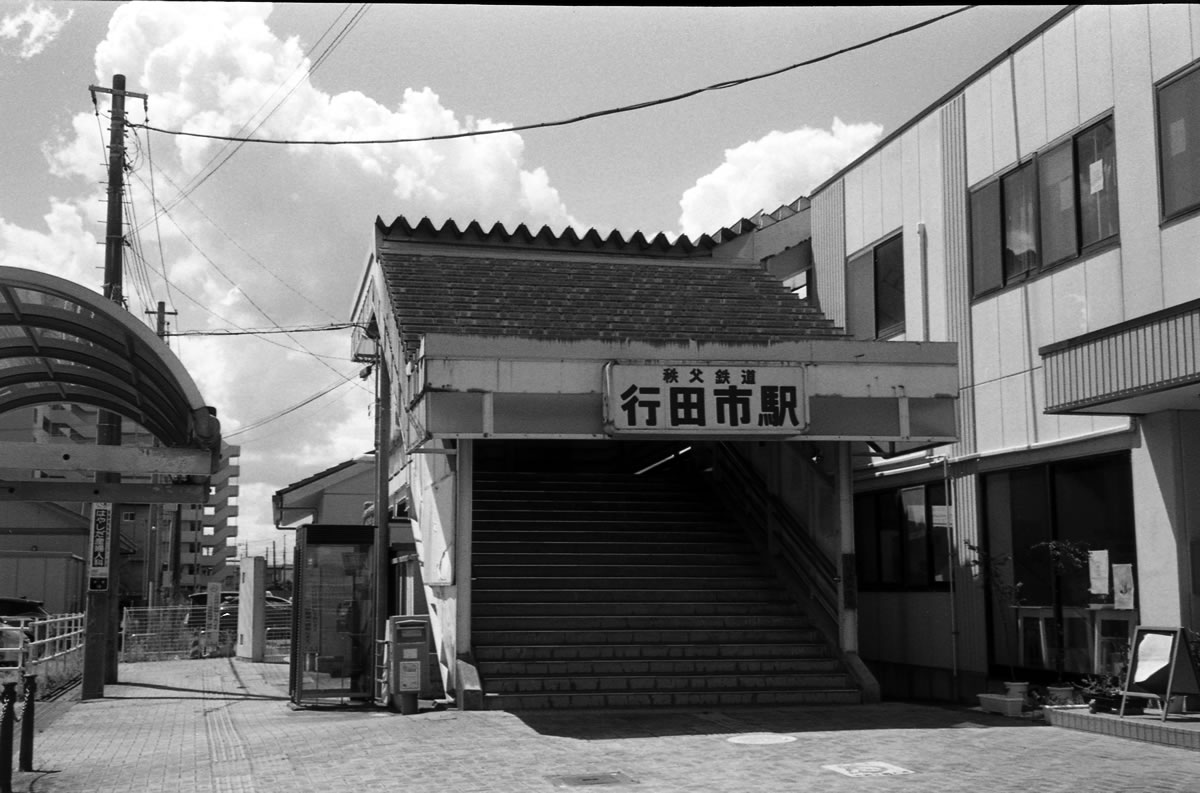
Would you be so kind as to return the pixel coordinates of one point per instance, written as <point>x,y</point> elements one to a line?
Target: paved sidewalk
<point>224,726</point>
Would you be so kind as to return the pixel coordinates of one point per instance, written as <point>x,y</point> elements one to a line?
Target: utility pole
<point>104,600</point>
<point>171,587</point>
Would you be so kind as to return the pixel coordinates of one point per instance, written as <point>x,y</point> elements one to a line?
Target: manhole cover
<point>867,769</point>
<point>761,738</point>
<point>584,780</point>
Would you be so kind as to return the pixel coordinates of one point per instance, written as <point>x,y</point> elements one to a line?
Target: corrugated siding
<point>958,260</point>
<point>829,250</point>
<point>1155,354</point>
<point>968,597</point>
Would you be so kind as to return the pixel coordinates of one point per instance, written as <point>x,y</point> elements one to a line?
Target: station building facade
<point>950,396</point>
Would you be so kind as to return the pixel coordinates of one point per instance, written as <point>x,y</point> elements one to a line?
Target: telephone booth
<point>332,619</point>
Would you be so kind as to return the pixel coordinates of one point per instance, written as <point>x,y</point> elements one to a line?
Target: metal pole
<point>8,699</point>
<point>27,718</point>
<point>383,434</point>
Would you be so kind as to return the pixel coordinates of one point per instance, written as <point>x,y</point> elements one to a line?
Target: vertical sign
<point>98,566</point>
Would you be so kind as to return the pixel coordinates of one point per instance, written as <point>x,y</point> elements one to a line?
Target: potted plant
<point>1066,556</point>
<point>1102,693</point>
<point>993,568</point>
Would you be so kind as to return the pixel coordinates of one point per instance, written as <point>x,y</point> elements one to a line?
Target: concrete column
<point>252,615</point>
<point>1162,466</point>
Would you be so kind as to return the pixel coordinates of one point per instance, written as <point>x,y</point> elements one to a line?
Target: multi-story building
<point>1043,215</point>
<point>157,561</point>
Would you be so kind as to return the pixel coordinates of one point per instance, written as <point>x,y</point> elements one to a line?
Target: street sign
<point>98,566</point>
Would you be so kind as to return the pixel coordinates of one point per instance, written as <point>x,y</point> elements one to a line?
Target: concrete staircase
<point>609,590</point>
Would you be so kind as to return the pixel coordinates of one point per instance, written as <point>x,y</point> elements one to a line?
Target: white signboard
<point>98,567</point>
<point>673,397</point>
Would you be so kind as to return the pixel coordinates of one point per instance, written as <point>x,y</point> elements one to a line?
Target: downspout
<point>383,434</point>
<point>953,526</point>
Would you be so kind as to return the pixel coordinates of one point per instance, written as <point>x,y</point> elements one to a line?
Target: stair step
<point>671,560</point>
<point>680,699</point>
<point>639,622</point>
<point>619,545</point>
<point>764,594</point>
<point>657,666</point>
<point>631,568</point>
<point>697,682</point>
<point>482,638</point>
<point>484,533</point>
<point>496,581</point>
<point>626,652</point>
<point>633,608</point>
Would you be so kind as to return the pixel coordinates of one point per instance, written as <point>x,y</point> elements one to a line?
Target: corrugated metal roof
<point>520,284</point>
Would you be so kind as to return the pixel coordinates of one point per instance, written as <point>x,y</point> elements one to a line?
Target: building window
<point>1034,516</point>
<point>1047,211</point>
<point>1179,144</point>
<point>875,290</point>
<point>902,538</point>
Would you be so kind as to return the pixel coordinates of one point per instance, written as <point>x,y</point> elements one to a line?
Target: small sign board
<point>98,563</point>
<point>704,398</point>
<point>1161,664</point>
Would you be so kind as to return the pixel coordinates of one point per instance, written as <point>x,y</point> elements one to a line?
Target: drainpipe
<point>383,434</point>
<point>848,585</point>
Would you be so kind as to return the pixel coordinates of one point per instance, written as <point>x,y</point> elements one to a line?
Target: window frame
<point>994,271</point>
<point>862,317</point>
<point>890,530</point>
<point>1192,71</point>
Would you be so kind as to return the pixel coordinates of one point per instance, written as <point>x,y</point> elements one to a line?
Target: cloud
<point>276,235</point>
<point>774,170</point>
<point>31,30</point>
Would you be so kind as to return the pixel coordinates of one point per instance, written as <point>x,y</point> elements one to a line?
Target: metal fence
<point>49,649</point>
<point>165,633</point>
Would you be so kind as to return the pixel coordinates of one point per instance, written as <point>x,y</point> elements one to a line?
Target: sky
<point>259,236</point>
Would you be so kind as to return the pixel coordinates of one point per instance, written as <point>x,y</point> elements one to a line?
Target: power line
<point>209,168</point>
<point>267,331</point>
<point>576,119</point>
<point>280,414</point>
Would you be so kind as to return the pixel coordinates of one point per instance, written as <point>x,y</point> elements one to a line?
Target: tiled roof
<point>496,283</point>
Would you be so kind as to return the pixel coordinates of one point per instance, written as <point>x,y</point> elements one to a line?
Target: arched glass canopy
<point>62,343</point>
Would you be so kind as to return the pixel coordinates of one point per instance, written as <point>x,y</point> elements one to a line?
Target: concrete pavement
<point>225,726</point>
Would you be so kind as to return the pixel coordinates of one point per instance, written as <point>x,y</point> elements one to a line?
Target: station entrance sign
<point>704,398</point>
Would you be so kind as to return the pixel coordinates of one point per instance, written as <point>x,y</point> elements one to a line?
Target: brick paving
<point>225,726</point>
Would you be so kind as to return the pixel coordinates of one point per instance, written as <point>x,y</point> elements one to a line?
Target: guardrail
<point>49,649</point>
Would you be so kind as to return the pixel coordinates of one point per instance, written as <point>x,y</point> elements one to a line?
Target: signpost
<point>1161,665</point>
<point>98,565</point>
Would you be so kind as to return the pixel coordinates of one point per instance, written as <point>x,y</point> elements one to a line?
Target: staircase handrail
<point>813,570</point>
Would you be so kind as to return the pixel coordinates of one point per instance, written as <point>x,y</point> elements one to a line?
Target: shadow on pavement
<point>587,724</point>
<point>204,694</point>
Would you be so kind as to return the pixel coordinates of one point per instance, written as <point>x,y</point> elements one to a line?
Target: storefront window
<point>1066,528</point>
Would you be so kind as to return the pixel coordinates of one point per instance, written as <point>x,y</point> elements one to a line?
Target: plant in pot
<point>995,569</point>
<point>1102,693</point>
<point>1066,557</point>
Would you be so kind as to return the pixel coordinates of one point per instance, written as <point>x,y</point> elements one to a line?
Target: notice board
<point>1161,664</point>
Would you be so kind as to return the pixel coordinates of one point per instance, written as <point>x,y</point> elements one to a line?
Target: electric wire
<point>291,408</point>
<point>282,282</point>
<point>575,119</point>
<point>209,168</point>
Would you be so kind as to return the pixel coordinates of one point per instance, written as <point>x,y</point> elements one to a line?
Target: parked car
<point>278,611</point>
<point>14,614</point>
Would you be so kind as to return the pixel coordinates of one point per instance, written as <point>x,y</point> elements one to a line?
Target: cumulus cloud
<point>276,235</point>
<point>774,170</point>
<point>27,33</point>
